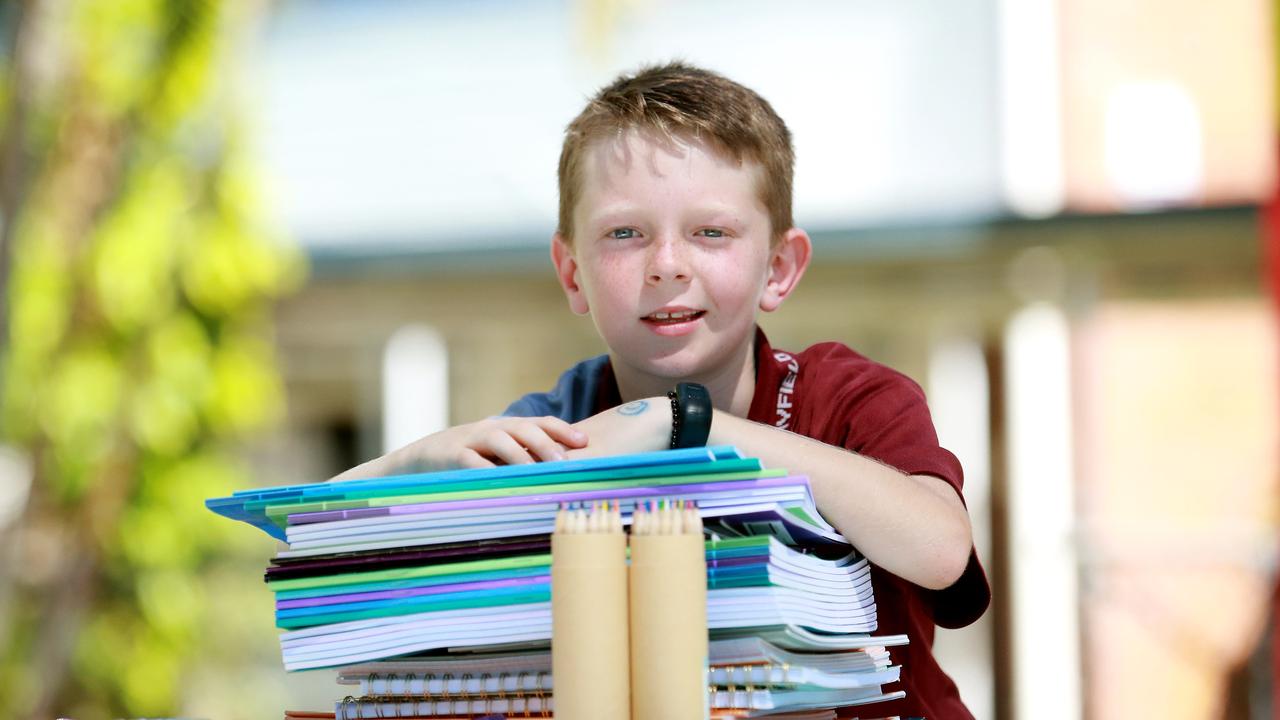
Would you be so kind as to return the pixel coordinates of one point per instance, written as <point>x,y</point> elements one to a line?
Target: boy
<point>675,228</point>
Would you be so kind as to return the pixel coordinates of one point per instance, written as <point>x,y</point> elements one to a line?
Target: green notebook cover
<point>433,489</point>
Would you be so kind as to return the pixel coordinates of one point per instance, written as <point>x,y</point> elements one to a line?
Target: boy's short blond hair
<point>677,100</point>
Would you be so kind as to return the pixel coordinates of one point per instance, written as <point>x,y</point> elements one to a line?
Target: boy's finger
<point>540,445</point>
<point>505,448</point>
<point>562,431</point>
<point>471,459</point>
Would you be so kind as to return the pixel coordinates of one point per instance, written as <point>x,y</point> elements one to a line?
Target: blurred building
<point>1046,213</point>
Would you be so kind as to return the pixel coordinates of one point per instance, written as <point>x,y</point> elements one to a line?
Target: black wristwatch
<point>690,415</point>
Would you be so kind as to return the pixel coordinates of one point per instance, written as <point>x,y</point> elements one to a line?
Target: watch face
<point>692,419</point>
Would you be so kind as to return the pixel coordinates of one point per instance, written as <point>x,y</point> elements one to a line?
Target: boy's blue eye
<point>622,233</point>
<point>711,232</point>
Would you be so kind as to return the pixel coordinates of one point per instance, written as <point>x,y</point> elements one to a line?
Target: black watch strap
<point>690,415</point>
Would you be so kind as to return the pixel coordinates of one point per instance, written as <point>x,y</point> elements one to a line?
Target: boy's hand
<point>638,426</point>
<point>484,443</point>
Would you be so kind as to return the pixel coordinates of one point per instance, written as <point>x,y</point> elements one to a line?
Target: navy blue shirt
<point>572,399</point>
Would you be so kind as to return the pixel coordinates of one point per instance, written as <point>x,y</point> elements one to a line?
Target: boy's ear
<point>787,263</point>
<point>567,274</point>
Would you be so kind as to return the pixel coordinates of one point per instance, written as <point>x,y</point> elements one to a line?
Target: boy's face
<point>671,255</point>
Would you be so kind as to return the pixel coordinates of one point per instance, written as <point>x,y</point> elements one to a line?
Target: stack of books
<point>431,592</point>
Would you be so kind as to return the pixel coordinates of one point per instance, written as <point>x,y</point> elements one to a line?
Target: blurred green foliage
<point>138,361</point>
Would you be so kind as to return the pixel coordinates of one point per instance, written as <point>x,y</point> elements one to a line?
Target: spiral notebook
<point>517,705</point>
<point>743,662</point>
<point>756,702</point>
<point>716,714</point>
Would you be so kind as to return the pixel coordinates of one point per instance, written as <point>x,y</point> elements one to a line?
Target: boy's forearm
<point>913,526</point>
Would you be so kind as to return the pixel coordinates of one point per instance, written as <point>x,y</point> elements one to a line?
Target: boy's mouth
<point>673,321</point>
<point>674,317</point>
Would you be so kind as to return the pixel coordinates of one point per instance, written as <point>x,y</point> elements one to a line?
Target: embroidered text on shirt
<point>786,389</point>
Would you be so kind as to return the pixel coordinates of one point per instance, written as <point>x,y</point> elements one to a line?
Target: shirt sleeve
<point>892,424</point>
<point>570,400</point>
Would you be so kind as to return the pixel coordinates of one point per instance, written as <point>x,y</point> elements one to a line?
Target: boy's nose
<point>666,262</point>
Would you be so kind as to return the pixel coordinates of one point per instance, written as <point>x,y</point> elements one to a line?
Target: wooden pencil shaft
<point>668,627</point>
<point>589,607</point>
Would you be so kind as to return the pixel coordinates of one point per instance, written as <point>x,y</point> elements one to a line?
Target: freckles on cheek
<point>600,274</point>
<point>736,283</point>
<point>610,267</point>
<point>737,271</point>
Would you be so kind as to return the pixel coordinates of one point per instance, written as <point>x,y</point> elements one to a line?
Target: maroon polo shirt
<point>833,394</point>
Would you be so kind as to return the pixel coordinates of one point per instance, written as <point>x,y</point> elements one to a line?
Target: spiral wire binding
<point>748,686</point>
<point>526,681</point>
<point>539,693</point>
<point>502,695</point>
<point>735,674</point>
<point>544,702</point>
<point>359,704</point>
<point>464,682</point>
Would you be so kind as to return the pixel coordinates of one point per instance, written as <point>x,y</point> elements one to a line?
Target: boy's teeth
<point>675,315</point>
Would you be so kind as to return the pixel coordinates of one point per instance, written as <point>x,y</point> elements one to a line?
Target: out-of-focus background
<point>253,243</point>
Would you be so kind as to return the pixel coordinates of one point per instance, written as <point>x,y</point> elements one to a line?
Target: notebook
<point>734,662</point>
<point>753,581</point>
<point>339,563</point>
<point>781,506</point>
<point>251,506</point>
<point>716,714</point>
<point>521,705</point>
<point>762,701</point>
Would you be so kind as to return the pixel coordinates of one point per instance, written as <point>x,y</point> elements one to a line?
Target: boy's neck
<point>731,389</point>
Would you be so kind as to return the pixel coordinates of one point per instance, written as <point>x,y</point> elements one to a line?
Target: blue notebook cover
<point>249,505</point>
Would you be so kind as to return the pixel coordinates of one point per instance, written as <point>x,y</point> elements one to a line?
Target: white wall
<point>385,121</point>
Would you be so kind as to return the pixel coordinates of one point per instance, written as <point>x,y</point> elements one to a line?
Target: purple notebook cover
<point>654,491</point>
